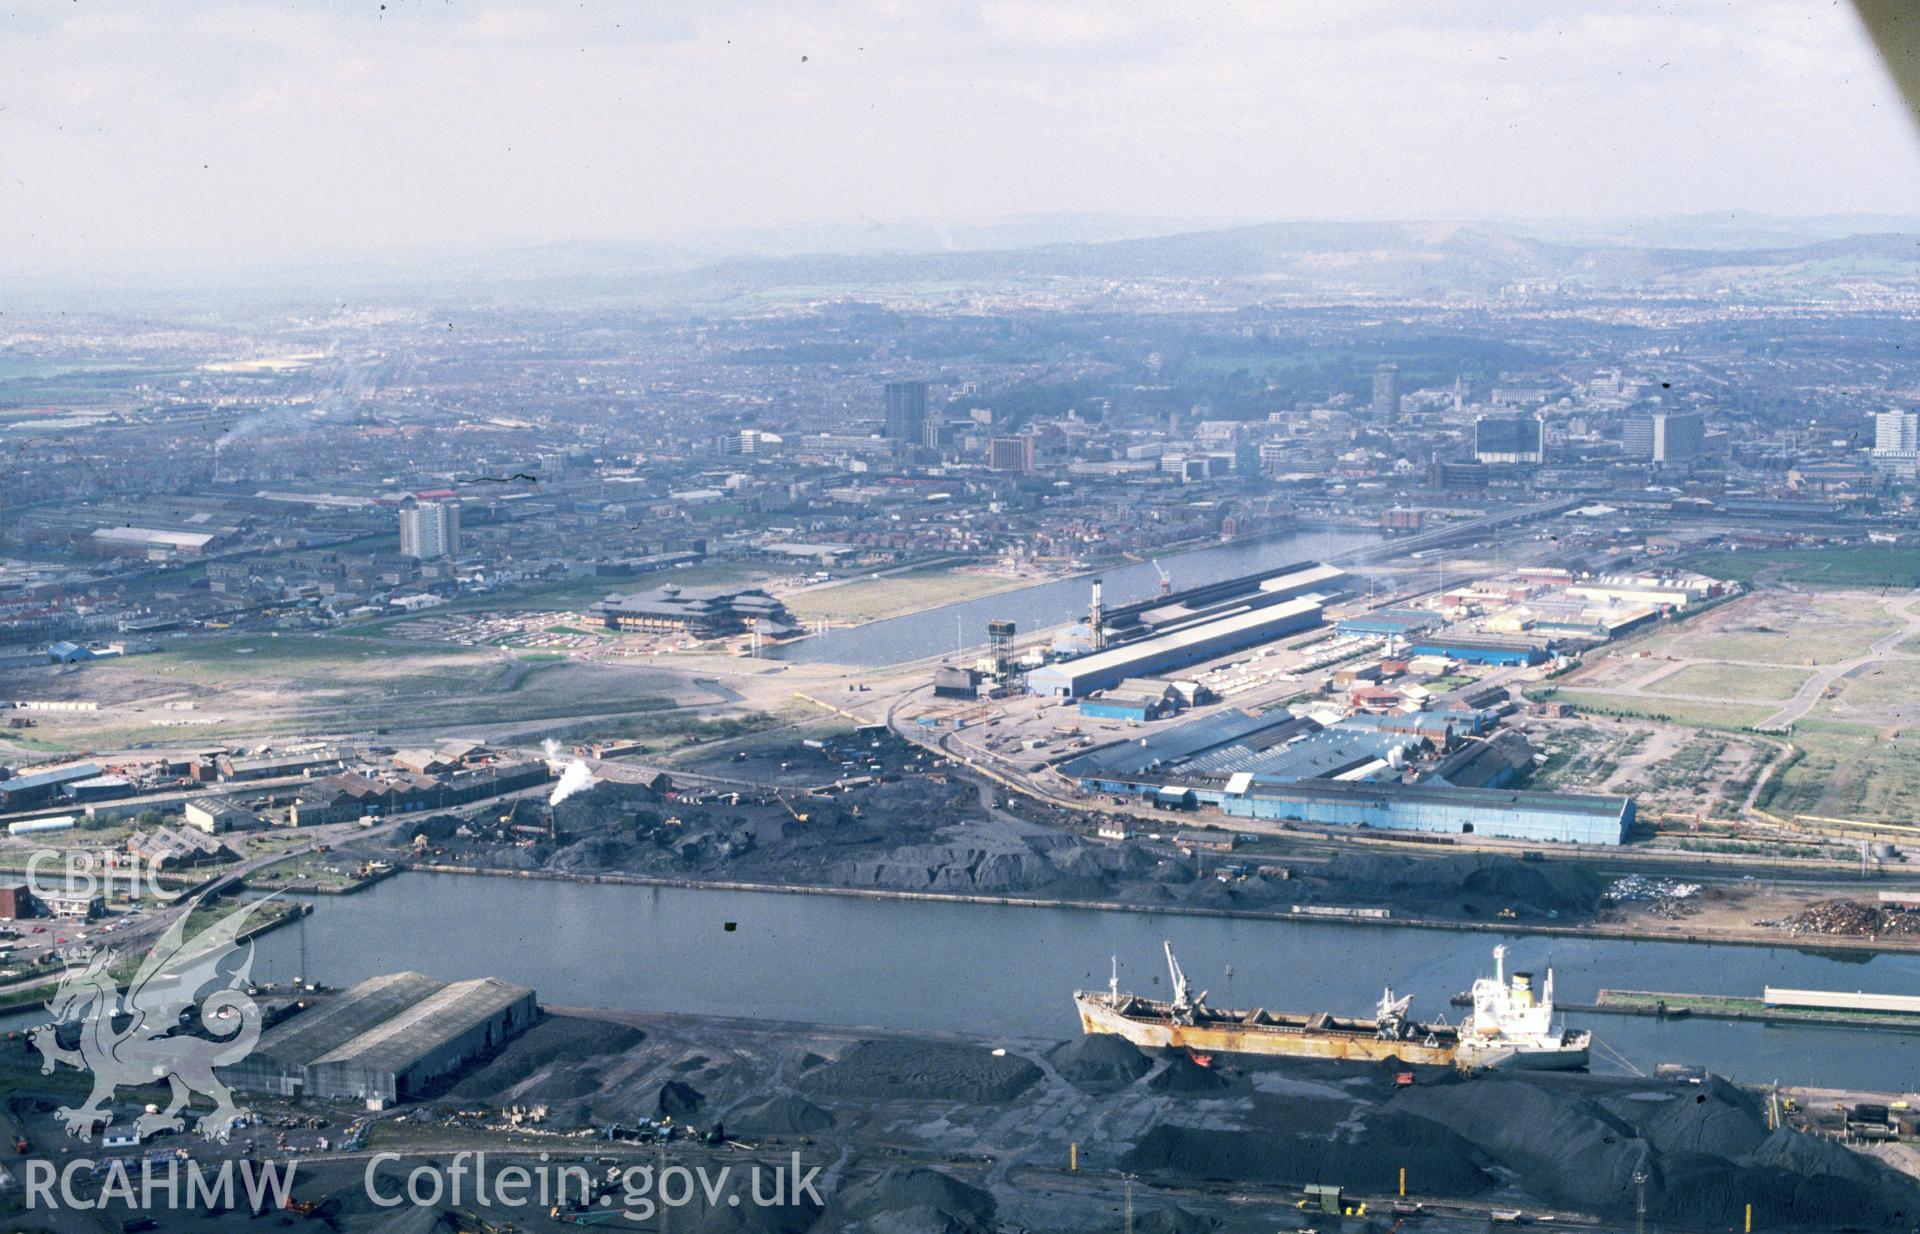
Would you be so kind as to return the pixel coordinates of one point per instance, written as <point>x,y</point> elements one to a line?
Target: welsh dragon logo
<point>160,1026</point>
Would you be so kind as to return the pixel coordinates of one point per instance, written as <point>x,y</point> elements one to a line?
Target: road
<point>1881,649</point>
<point>141,931</point>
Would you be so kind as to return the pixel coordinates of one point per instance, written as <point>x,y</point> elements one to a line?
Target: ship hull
<point>1288,1041</point>
<point>1560,1058</point>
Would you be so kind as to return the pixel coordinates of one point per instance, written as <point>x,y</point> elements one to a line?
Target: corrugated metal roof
<point>59,775</point>
<point>1124,658</point>
<point>1501,799</point>
<point>340,1019</point>
<point>1177,744</point>
<point>424,1027</point>
<point>1322,754</point>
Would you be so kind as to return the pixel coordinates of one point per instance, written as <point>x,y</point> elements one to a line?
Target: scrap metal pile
<point>1849,919</point>
<point>1663,897</point>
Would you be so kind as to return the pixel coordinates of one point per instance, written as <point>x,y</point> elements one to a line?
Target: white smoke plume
<point>552,748</point>
<point>575,779</point>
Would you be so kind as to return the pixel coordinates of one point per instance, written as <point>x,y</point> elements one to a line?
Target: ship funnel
<point>1523,989</point>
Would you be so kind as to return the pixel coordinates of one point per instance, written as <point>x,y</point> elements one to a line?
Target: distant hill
<point>1385,258</point>
<point>1708,255</point>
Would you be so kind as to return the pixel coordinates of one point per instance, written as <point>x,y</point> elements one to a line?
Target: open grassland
<point>1874,566</point>
<point>1788,629</point>
<point>288,657</point>
<point>208,692</point>
<point>1667,711</point>
<point>1850,772</point>
<point>1736,683</point>
<point>1884,694</point>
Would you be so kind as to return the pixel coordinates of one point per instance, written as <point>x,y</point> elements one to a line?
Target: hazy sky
<point>184,132</point>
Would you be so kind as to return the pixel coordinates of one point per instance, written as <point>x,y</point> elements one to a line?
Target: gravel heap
<point>913,1200</point>
<point>680,1100</point>
<point>1707,1153</point>
<point>1468,883</point>
<point>781,1114</point>
<point>901,1070</point>
<point>1099,1062</point>
<point>1183,1075</point>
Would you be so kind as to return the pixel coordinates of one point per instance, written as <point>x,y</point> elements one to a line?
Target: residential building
<point>907,411</point>
<point>429,529</point>
<point>1011,454</point>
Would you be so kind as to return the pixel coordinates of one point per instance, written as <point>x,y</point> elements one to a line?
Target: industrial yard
<point>982,1135</point>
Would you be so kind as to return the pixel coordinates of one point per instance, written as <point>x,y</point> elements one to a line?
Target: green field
<point>1736,683</point>
<point>1849,771</point>
<point>253,657</point>
<point>1870,565</point>
<point>1828,631</point>
<point>1674,711</point>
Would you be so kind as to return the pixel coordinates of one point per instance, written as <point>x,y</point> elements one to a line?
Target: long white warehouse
<point>1176,649</point>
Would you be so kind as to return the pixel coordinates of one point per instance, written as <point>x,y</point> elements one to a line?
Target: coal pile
<point>1716,1120</point>
<point>1365,1158</point>
<point>746,1216</point>
<point>1706,1152</point>
<point>1147,893</point>
<point>1099,1062</point>
<point>1566,1147</point>
<point>1174,1220</point>
<point>561,1062</point>
<point>679,1099</point>
<point>911,1200</point>
<point>1471,884</point>
<point>897,1070</point>
<point>1183,1075</point>
<point>783,1114</point>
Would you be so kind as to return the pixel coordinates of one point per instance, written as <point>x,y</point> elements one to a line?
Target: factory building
<point>954,681</point>
<point>387,1039</point>
<point>1389,622</point>
<point>1136,699</point>
<point>1224,735</point>
<point>168,848</point>
<point>1175,649</point>
<point>1478,649</point>
<point>1277,586</point>
<point>43,787</point>
<point>1282,767</point>
<point>1567,818</point>
<point>153,543</point>
<point>97,788</point>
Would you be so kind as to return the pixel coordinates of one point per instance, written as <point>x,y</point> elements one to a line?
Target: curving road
<point>1881,649</point>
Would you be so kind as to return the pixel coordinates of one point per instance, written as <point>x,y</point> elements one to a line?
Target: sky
<point>177,135</point>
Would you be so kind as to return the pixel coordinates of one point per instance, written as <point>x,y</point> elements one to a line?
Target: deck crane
<point>1166,580</point>
<point>1187,1005</point>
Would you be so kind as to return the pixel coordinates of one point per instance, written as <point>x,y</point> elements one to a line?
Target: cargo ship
<point>1509,1028</point>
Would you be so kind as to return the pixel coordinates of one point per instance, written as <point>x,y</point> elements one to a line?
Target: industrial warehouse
<point>1181,629</point>
<point>1352,772</point>
<point>1386,716</point>
<point>387,1039</point>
